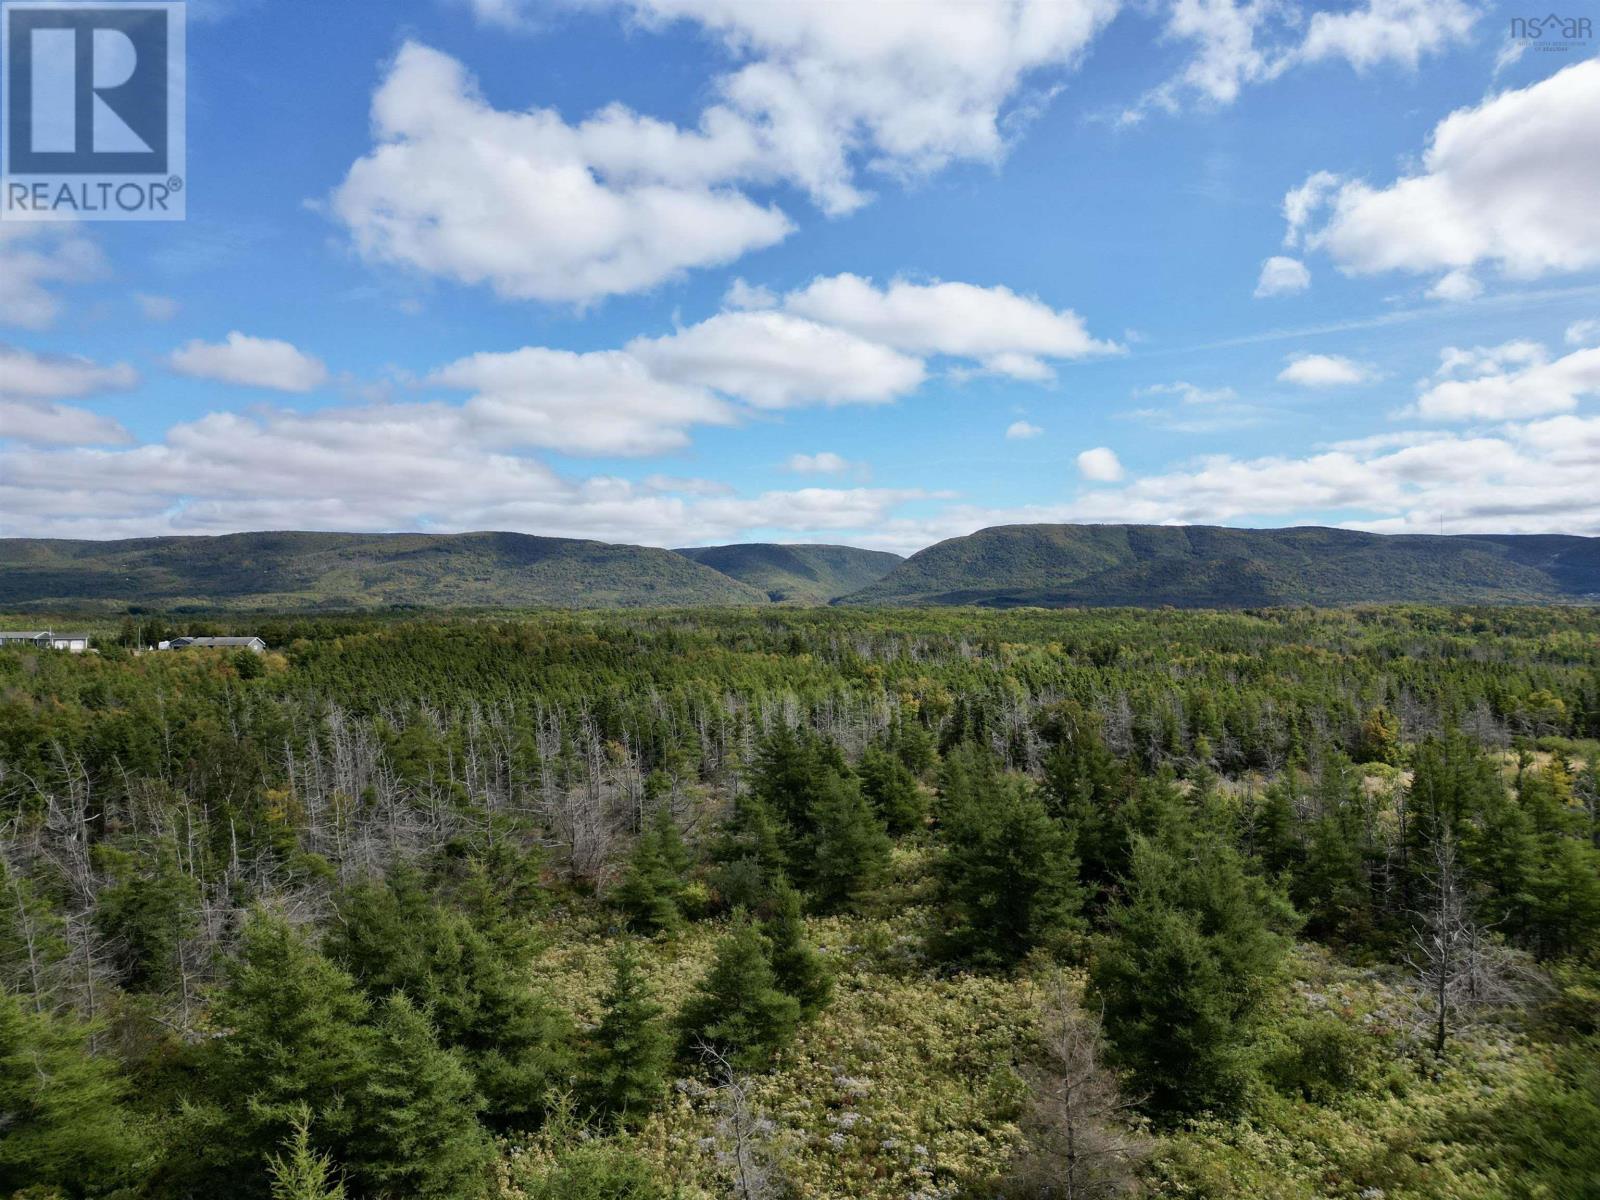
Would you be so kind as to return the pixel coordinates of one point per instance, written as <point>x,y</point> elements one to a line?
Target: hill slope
<point>353,570</point>
<point>797,574</point>
<point>1208,566</point>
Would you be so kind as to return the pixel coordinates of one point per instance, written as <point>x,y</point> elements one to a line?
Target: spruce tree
<point>891,789</point>
<point>297,1041</point>
<point>651,887</point>
<point>850,852</point>
<point>63,1127</point>
<point>626,1066</point>
<point>416,1128</point>
<point>301,1172</point>
<point>1008,880</point>
<point>738,1009</point>
<point>1185,975</point>
<point>796,966</point>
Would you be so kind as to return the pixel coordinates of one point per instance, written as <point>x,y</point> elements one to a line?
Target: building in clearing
<point>217,643</point>
<point>43,639</point>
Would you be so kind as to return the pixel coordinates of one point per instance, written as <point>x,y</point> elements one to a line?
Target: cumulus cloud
<point>1100,465</point>
<point>1022,430</point>
<point>1324,371</point>
<point>1282,276</point>
<point>34,256</point>
<point>250,362</point>
<point>1514,380</point>
<point>48,377</point>
<point>1457,286</point>
<point>1582,333</point>
<point>1387,31</point>
<point>606,402</point>
<point>541,208</point>
<point>774,360</point>
<point>45,423</point>
<point>1005,332</point>
<point>1509,183</point>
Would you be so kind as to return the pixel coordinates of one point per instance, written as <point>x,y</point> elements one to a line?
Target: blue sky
<point>693,271</point>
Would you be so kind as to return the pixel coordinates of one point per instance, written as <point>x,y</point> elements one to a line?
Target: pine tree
<point>626,1066</point>
<point>749,855</point>
<point>1008,880</point>
<point>62,1122</point>
<point>1185,975</point>
<point>796,966</point>
<point>416,1131</point>
<point>738,1010</point>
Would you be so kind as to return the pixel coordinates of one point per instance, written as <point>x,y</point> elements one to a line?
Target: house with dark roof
<point>217,643</point>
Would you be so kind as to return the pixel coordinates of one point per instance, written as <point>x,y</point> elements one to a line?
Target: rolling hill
<point>1198,566</point>
<point>353,570</point>
<point>797,574</point>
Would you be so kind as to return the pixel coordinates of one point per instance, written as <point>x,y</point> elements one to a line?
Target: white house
<point>43,639</point>
<point>217,643</point>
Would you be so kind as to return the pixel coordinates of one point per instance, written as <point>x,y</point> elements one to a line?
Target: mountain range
<point>1047,566</point>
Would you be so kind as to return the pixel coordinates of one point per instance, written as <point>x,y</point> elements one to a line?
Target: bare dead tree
<point>1081,1144</point>
<point>1459,968</point>
<point>744,1135</point>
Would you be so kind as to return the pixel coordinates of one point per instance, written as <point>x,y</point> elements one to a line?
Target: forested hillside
<point>1197,566</point>
<point>797,574</point>
<point>825,903</point>
<point>355,571</point>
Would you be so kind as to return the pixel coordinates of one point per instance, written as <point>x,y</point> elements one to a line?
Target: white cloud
<point>1189,393</point>
<point>1397,31</point>
<point>537,208</point>
<point>250,362</point>
<point>774,360</point>
<point>604,402</point>
<point>540,208</point>
<point>45,423</point>
<point>1100,465</point>
<point>1022,430</point>
<point>1508,382</point>
<point>49,377</point>
<point>1456,286</point>
<point>156,308</point>
<point>35,255</point>
<point>1510,182</point>
<point>1282,276</point>
<point>1582,333</point>
<point>824,462</point>
<point>1006,332</point>
<point>1237,44</point>
<point>1199,410</point>
<point>1324,370</point>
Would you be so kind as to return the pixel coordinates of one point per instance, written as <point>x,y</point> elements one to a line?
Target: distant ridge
<point>1206,566</point>
<point>1194,566</point>
<point>797,574</point>
<point>356,570</point>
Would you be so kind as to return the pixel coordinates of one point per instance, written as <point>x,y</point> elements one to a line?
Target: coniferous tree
<point>1185,974</point>
<point>749,856</point>
<point>416,1130</point>
<point>650,889</point>
<point>301,1172</point>
<point>626,1066</point>
<point>796,966</point>
<point>891,789</point>
<point>850,852</point>
<point>297,1042</point>
<point>1008,881</point>
<point>738,1010</point>
<point>63,1129</point>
